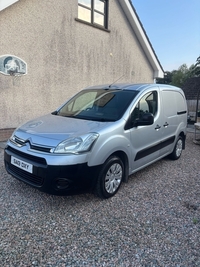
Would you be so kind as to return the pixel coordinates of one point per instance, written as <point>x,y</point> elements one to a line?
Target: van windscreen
<point>98,104</point>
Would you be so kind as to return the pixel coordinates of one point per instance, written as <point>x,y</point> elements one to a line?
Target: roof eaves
<point>140,32</point>
<point>6,3</point>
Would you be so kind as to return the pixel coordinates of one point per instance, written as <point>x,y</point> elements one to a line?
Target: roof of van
<point>132,86</point>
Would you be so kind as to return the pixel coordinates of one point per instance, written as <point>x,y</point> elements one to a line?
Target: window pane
<point>99,5</point>
<point>148,103</point>
<point>98,18</point>
<point>81,101</point>
<point>84,14</point>
<point>84,101</point>
<point>85,2</point>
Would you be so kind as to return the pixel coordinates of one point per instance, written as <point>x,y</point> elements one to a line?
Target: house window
<point>94,12</point>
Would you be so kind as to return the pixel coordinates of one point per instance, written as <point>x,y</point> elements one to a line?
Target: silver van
<point>98,138</point>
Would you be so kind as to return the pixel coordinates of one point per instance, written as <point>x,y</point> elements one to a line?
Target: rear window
<point>98,104</point>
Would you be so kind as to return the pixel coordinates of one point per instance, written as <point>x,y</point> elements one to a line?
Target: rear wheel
<point>110,177</point>
<point>177,149</point>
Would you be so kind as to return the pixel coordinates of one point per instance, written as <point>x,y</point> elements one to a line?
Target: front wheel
<point>110,177</point>
<point>177,149</point>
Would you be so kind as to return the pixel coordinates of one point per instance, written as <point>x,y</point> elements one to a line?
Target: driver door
<point>145,140</point>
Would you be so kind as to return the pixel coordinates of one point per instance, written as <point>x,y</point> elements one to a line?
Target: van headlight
<point>76,145</point>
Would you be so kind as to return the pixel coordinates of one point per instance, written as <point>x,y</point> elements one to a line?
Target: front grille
<point>25,176</point>
<point>19,141</point>
<point>27,156</point>
<point>40,148</point>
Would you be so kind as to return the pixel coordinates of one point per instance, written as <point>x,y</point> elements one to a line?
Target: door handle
<point>166,124</point>
<point>157,127</point>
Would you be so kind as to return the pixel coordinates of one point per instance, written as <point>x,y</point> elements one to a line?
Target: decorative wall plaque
<point>12,65</point>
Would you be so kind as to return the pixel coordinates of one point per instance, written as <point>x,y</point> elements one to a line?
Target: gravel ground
<point>154,220</point>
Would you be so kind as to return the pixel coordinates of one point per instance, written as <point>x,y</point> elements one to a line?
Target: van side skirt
<point>147,151</point>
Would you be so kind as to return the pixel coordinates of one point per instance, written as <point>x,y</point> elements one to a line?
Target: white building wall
<point>63,56</point>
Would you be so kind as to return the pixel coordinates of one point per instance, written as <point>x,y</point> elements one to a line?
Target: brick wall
<point>5,133</point>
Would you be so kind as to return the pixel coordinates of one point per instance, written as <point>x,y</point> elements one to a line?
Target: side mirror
<point>146,119</point>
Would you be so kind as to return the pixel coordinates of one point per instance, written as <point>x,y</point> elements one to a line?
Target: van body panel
<point>71,145</point>
<point>174,112</point>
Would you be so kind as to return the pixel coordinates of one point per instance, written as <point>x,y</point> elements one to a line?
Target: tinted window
<point>100,104</point>
<point>147,104</point>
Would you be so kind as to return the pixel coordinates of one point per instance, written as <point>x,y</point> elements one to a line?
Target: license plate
<point>22,164</point>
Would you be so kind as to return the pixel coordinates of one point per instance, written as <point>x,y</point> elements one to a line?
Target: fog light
<point>62,183</point>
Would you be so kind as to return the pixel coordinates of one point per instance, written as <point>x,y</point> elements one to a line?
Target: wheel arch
<point>183,135</point>
<point>123,156</point>
<point>106,175</point>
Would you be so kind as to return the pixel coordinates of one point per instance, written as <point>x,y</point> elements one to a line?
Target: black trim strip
<point>167,142</point>
<point>181,112</point>
<point>145,152</point>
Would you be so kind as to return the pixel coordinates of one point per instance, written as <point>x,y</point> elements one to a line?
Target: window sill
<point>92,25</point>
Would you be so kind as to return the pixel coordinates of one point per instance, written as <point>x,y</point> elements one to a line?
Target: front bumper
<point>52,179</point>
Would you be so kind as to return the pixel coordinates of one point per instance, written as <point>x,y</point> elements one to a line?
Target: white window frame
<point>95,11</point>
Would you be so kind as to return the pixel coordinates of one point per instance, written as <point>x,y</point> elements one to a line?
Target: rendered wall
<point>63,56</point>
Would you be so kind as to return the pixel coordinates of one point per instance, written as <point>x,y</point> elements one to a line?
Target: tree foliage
<point>196,70</point>
<point>179,77</point>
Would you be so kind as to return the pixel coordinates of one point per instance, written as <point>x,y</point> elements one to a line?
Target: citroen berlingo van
<point>98,138</point>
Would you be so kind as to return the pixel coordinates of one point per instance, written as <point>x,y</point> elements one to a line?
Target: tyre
<point>110,177</point>
<point>177,149</point>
